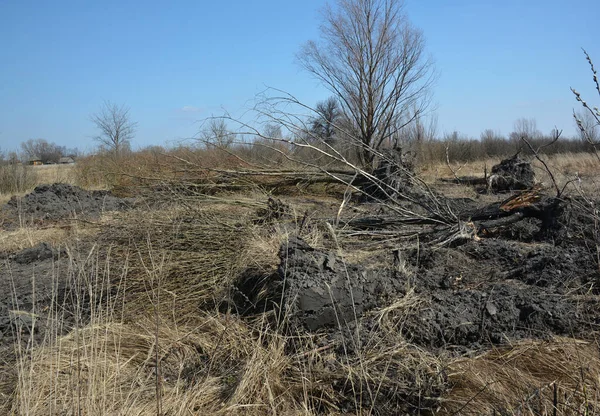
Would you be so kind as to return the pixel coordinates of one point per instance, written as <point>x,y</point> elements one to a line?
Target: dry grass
<point>155,340</point>
<point>521,379</point>
<point>565,167</point>
<point>148,342</point>
<point>25,237</point>
<point>49,174</point>
<point>215,366</point>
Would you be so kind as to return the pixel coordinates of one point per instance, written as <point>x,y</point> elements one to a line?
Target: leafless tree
<point>272,131</point>
<point>216,133</point>
<point>44,150</point>
<point>373,60</point>
<point>116,127</point>
<point>526,127</point>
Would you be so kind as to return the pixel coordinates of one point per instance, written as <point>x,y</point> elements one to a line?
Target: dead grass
<point>49,174</point>
<point>521,379</point>
<point>155,345</point>
<point>158,343</point>
<point>565,167</point>
<point>25,237</point>
<point>215,364</point>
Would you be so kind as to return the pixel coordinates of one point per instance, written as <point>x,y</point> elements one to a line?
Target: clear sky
<point>176,62</point>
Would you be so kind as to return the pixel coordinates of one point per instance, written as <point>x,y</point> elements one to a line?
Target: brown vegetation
<point>153,321</point>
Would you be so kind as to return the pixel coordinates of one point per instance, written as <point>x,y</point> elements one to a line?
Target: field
<point>230,292</point>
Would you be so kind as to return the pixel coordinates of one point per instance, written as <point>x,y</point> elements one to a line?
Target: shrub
<point>17,178</point>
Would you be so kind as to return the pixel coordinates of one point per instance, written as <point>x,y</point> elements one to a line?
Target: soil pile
<point>320,290</point>
<point>29,286</point>
<point>494,291</point>
<point>484,292</point>
<point>512,174</point>
<point>62,201</point>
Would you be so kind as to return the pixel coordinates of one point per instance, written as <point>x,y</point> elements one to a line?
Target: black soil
<point>494,291</point>
<point>62,201</point>
<point>518,283</point>
<point>320,290</point>
<point>32,283</point>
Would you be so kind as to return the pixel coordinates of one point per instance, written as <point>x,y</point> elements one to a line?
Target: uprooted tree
<point>373,61</point>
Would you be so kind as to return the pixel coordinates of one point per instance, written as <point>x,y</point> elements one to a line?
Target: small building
<point>35,161</point>
<point>66,160</point>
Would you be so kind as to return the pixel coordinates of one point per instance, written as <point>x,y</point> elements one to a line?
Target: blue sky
<point>176,62</point>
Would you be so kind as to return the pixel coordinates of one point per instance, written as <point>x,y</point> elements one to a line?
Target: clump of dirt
<point>63,201</point>
<point>512,174</point>
<point>321,290</point>
<point>494,291</point>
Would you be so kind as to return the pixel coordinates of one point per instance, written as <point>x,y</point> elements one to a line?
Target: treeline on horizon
<point>424,148</point>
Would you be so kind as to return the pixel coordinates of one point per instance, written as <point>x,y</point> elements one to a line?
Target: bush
<point>17,178</point>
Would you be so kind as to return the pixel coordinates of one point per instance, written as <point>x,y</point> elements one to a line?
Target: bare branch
<point>557,134</point>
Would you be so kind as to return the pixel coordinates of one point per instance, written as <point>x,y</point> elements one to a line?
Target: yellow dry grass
<point>25,237</point>
<point>150,367</point>
<point>584,164</point>
<point>521,379</point>
<point>155,351</point>
<point>581,169</point>
<point>49,174</point>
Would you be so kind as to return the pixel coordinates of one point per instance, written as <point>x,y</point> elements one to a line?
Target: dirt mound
<point>512,174</point>
<point>320,290</point>
<point>62,201</point>
<point>481,293</point>
<point>492,291</point>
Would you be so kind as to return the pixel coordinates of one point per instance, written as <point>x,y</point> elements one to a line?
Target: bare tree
<point>372,59</point>
<point>46,151</point>
<point>216,133</point>
<point>526,127</point>
<point>493,143</point>
<point>116,127</point>
<point>272,131</point>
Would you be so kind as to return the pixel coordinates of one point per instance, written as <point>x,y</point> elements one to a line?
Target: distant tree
<point>493,143</point>
<point>272,131</point>
<point>323,125</point>
<point>48,152</point>
<point>373,61</point>
<point>526,128</point>
<point>116,127</point>
<point>216,133</point>
<point>13,158</point>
